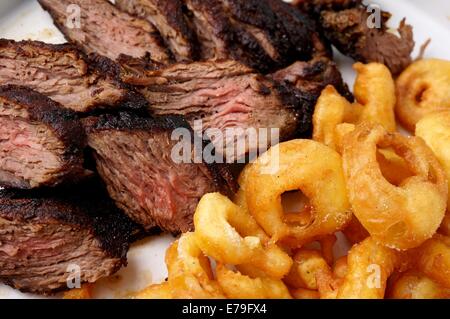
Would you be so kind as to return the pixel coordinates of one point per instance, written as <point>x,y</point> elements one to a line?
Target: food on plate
<point>265,35</point>
<point>422,89</point>
<point>307,263</point>
<point>93,25</point>
<point>350,26</point>
<point>369,265</point>
<point>435,130</point>
<point>190,274</point>
<point>231,236</point>
<point>52,239</point>
<point>238,286</point>
<point>228,98</point>
<point>414,285</point>
<point>134,157</point>
<point>374,92</point>
<point>402,216</point>
<point>313,76</point>
<point>304,165</point>
<point>168,17</point>
<point>41,142</point>
<point>65,75</point>
<point>433,259</point>
<point>355,232</point>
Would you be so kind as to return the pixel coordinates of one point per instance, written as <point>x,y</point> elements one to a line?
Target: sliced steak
<point>349,25</point>
<point>41,143</point>
<point>136,158</point>
<point>49,236</point>
<point>65,75</point>
<point>313,76</point>
<point>226,96</point>
<point>168,17</point>
<point>99,27</point>
<point>263,34</point>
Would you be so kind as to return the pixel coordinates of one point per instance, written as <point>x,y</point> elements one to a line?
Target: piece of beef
<point>168,17</point>
<point>351,27</point>
<point>226,96</point>
<point>313,76</point>
<point>41,143</point>
<point>65,75</point>
<point>152,175</point>
<point>263,34</point>
<point>50,236</point>
<point>99,27</point>
<point>305,39</point>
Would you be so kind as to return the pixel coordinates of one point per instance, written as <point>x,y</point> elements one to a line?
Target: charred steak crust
<point>54,228</point>
<point>64,123</point>
<point>168,17</point>
<point>27,106</point>
<point>221,176</point>
<point>224,94</point>
<point>143,38</point>
<point>92,82</point>
<point>154,191</point>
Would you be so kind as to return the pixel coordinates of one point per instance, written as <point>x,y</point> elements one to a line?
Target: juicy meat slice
<point>48,234</point>
<point>65,75</point>
<point>148,173</point>
<point>99,27</point>
<point>168,17</point>
<point>313,76</point>
<point>41,143</point>
<point>229,97</point>
<point>349,26</point>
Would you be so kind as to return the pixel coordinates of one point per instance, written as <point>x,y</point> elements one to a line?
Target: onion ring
<point>304,165</point>
<point>238,286</point>
<point>231,236</point>
<point>423,88</point>
<point>435,130</point>
<point>403,216</point>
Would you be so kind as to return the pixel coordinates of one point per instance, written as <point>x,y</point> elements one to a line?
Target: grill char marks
<point>313,76</point>
<point>168,17</point>
<point>224,95</point>
<point>134,157</point>
<point>105,30</point>
<point>65,75</point>
<point>41,143</point>
<point>43,232</point>
<point>263,34</point>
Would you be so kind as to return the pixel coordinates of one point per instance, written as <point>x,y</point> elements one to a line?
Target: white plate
<point>24,19</point>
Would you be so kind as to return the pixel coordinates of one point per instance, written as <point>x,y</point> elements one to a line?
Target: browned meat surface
<point>45,233</point>
<point>348,25</point>
<point>263,34</point>
<point>168,17</point>
<point>41,143</point>
<point>65,75</point>
<point>225,95</point>
<point>103,29</point>
<point>313,76</point>
<point>135,158</point>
